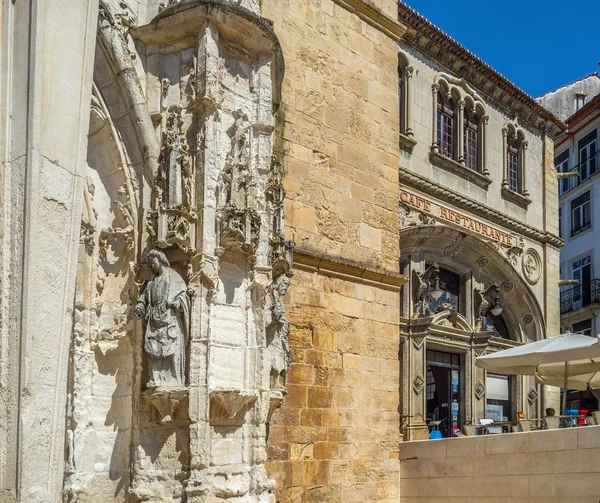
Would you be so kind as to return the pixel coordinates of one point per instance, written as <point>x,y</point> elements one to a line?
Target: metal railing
<point>586,170</point>
<point>580,296</point>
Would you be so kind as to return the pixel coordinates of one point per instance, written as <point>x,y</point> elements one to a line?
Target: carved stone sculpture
<point>278,331</point>
<point>484,300</point>
<point>164,307</point>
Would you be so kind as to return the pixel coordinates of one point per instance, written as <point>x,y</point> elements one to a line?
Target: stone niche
<point>206,217</point>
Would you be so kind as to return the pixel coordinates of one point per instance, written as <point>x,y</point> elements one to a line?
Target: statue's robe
<point>167,327</point>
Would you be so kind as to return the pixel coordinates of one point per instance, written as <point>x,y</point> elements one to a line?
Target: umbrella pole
<point>564,398</point>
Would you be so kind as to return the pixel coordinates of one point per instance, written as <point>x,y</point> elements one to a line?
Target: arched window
<point>449,284</point>
<point>515,147</point>
<point>513,171</point>
<point>445,125</point>
<point>471,142</point>
<point>402,98</point>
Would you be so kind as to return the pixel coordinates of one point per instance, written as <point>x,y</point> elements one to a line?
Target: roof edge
<point>413,19</point>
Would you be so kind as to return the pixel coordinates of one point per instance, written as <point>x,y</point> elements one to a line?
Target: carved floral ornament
<point>532,266</point>
<point>418,384</point>
<point>479,390</point>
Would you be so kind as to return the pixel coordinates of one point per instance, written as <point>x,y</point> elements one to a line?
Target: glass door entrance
<point>443,391</point>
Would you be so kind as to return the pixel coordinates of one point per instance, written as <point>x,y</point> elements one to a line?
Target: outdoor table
<point>571,421</point>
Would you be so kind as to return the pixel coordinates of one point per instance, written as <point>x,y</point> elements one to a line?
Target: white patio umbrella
<point>581,373</point>
<point>549,360</point>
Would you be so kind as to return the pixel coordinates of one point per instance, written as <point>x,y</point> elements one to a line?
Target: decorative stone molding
<point>166,401</point>
<point>519,199</point>
<point>228,406</point>
<point>434,189</point>
<point>391,27</point>
<point>346,269</point>
<point>483,262</point>
<point>532,396</point>
<point>479,390</point>
<point>532,266</point>
<point>528,318</point>
<point>418,342</point>
<point>418,384</point>
<point>507,286</point>
<point>426,37</point>
<point>410,217</point>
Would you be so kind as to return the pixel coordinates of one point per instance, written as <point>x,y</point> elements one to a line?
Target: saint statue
<point>164,306</point>
<point>278,332</point>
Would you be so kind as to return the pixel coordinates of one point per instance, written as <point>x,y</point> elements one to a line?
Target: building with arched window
<point>479,240</point>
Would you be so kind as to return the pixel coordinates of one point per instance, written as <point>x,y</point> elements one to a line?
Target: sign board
<point>456,218</point>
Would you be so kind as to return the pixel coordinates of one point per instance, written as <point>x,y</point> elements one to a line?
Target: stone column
<point>47,59</point>
<point>416,365</point>
<point>485,119</point>
<point>434,91</point>
<point>460,131</point>
<point>524,147</point>
<point>504,158</point>
<point>408,95</point>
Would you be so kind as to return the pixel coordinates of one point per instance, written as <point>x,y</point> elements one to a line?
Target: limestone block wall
<point>336,437</point>
<point>550,466</point>
<point>339,123</point>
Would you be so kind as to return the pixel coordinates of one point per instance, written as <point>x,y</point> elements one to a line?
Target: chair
<point>552,422</point>
<point>525,424</point>
<point>596,416</point>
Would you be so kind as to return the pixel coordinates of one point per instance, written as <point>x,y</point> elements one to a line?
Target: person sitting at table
<point>551,421</point>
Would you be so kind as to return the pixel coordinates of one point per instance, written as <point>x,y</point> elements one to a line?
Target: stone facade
<point>211,304</point>
<point>335,438</point>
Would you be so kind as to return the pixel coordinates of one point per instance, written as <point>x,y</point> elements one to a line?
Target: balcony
<point>580,296</point>
<point>586,170</point>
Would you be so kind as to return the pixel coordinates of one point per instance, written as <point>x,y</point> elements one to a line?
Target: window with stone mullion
<point>471,142</point>
<point>445,127</point>
<point>514,178</point>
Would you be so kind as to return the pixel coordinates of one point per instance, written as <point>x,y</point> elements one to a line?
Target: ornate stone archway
<point>484,266</point>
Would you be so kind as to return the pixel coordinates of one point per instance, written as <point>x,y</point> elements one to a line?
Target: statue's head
<point>157,260</point>
<point>282,283</point>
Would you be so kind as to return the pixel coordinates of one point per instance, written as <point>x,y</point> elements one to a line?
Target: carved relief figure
<point>164,306</point>
<point>278,331</point>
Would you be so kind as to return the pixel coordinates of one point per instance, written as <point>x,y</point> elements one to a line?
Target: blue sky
<point>538,45</point>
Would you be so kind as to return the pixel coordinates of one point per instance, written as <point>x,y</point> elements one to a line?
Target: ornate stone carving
<point>483,262</point>
<point>418,384</point>
<point>175,217</point>
<point>227,406</point>
<point>410,217</point>
<point>418,342</point>
<point>420,288</point>
<point>454,247</point>
<point>164,307</point>
<point>532,396</point>
<point>421,183</point>
<point>507,286</point>
<point>479,390</point>
<point>278,331</point>
<point>166,402</point>
<point>484,300</point>
<point>281,250</point>
<point>532,266</point>
<point>528,318</point>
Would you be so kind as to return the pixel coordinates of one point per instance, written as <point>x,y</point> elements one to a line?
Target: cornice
<point>429,39</point>
<point>433,189</point>
<point>391,27</point>
<point>346,269</point>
